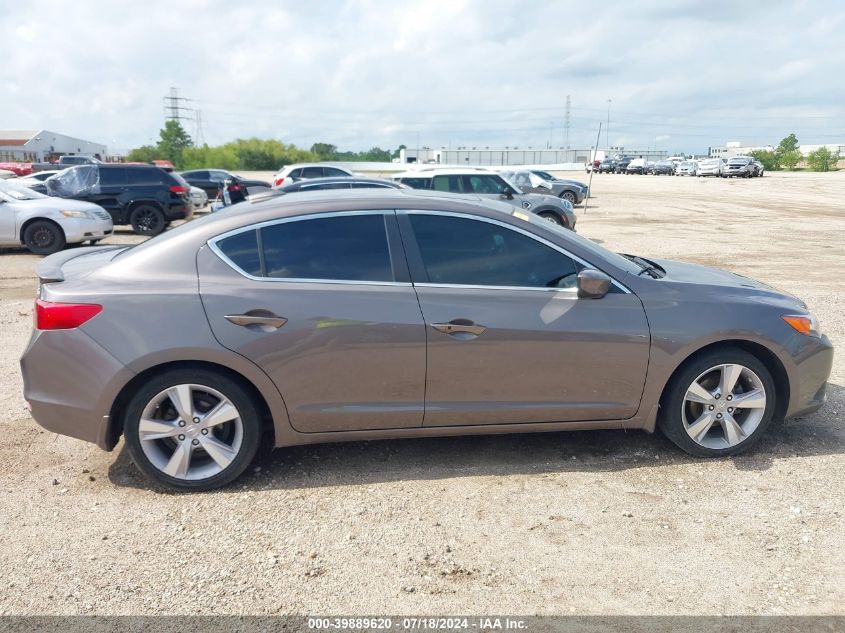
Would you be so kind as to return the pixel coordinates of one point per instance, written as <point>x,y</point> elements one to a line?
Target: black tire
<point>670,419</point>
<point>43,237</point>
<point>249,414</point>
<point>147,219</point>
<point>568,195</point>
<point>552,217</point>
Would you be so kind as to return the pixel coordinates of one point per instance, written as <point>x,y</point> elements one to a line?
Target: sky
<point>681,75</point>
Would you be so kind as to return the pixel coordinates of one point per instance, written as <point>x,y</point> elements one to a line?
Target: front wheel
<point>552,217</point>
<point>718,404</point>
<point>44,238</point>
<point>568,195</point>
<point>147,219</point>
<point>192,429</point>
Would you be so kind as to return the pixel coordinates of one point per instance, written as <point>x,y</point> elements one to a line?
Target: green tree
<point>822,159</point>
<point>770,160</point>
<point>790,159</point>
<point>173,142</point>
<point>398,150</point>
<point>324,151</point>
<point>788,144</point>
<point>143,154</point>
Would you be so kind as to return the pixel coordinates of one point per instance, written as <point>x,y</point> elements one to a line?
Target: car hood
<point>571,183</point>
<point>682,272</point>
<point>56,204</point>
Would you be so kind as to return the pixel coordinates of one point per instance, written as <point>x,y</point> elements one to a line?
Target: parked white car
<point>687,168</point>
<point>711,167</point>
<point>5,173</point>
<point>37,178</point>
<point>45,225</point>
<point>199,198</point>
<point>302,171</point>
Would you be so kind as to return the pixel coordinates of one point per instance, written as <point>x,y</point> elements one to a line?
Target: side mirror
<point>507,193</point>
<point>592,284</point>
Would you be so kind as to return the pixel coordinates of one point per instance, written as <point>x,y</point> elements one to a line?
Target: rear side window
<point>112,176</point>
<point>242,249</point>
<point>346,248</point>
<point>143,176</point>
<point>312,172</point>
<point>447,183</point>
<point>417,183</point>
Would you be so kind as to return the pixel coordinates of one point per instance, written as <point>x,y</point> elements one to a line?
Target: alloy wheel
<point>190,432</point>
<point>723,406</point>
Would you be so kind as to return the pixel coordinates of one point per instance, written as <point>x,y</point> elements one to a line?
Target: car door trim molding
<point>536,238</point>
<point>212,244</point>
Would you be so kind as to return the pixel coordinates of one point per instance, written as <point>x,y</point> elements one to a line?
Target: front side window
<point>332,171</point>
<point>218,176</point>
<point>477,253</point>
<point>484,183</point>
<point>341,248</point>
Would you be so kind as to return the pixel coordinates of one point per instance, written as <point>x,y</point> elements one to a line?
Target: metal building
<point>44,145</point>
<point>475,156</point>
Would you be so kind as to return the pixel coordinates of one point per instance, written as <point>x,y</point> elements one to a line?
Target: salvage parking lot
<point>601,522</point>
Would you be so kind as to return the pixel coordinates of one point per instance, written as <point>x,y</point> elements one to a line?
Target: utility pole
<point>607,129</point>
<point>592,169</point>
<point>566,122</point>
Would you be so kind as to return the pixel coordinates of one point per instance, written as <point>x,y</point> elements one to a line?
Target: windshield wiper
<point>647,267</point>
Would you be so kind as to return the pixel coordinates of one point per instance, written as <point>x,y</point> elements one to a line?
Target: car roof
<point>298,165</point>
<point>327,180</point>
<point>443,171</point>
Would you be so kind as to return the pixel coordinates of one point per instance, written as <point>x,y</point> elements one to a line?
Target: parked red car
<point>20,169</point>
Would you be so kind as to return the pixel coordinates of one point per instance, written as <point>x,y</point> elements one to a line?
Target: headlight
<point>806,324</point>
<point>83,215</point>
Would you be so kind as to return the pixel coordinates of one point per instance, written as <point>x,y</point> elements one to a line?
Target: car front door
<point>324,305</point>
<point>509,341</point>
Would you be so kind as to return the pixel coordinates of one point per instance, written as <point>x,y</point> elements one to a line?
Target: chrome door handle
<point>459,326</point>
<point>249,319</point>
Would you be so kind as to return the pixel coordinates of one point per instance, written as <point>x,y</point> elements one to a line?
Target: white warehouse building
<point>44,145</point>
<point>503,156</point>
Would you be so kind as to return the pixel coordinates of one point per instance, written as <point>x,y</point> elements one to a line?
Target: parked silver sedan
<point>46,225</point>
<point>395,313</point>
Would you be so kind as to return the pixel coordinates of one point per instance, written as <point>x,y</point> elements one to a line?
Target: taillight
<point>63,316</point>
<point>278,182</point>
<point>178,189</point>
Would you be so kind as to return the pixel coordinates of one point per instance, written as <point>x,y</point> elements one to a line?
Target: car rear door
<point>324,305</point>
<point>506,343</point>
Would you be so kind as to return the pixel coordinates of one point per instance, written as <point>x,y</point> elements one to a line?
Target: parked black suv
<point>144,196</point>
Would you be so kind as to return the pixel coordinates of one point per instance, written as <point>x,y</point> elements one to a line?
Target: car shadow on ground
<point>372,462</point>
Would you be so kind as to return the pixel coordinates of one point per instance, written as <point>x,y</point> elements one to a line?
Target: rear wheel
<point>192,429</point>
<point>147,219</point>
<point>552,217</point>
<point>719,404</point>
<point>43,237</point>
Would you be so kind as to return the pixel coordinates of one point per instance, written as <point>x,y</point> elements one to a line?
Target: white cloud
<point>470,72</point>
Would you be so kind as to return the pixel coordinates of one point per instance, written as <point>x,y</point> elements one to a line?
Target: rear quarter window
<point>242,250</point>
<point>112,176</point>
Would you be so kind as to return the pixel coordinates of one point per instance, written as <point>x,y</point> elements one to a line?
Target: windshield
<point>545,175</point>
<point>12,193</point>
<point>588,245</point>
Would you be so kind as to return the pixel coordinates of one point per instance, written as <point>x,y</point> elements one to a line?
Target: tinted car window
<point>142,176</point>
<point>325,185</point>
<point>484,183</point>
<point>331,171</point>
<point>112,176</point>
<point>417,183</point>
<point>218,176</point>
<point>242,249</point>
<point>473,252</point>
<point>348,248</point>
<point>312,172</point>
<point>296,173</point>
<point>195,175</point>
<point>447,183</point>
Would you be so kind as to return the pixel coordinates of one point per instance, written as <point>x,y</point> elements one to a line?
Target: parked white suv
<point>302,171</point>
<point>487,184</point>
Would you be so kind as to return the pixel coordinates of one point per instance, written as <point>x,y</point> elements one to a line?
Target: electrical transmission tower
<point>566,122</point>
<point>199,139</point>
<point>173,110</point>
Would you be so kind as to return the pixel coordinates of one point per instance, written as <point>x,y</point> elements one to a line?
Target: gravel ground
<point>586,523</point>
